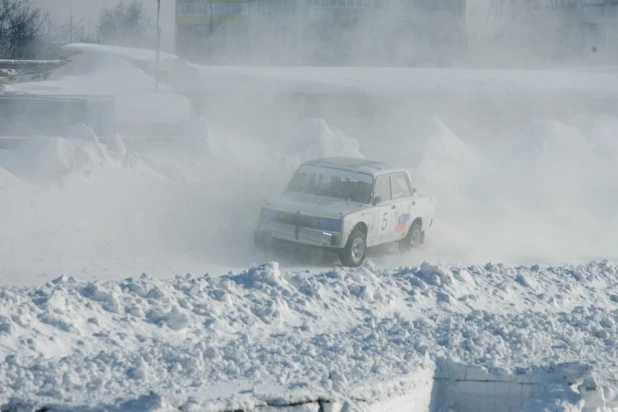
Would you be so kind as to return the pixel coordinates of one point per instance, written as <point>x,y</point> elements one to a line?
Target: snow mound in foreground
<point>314,138</point>
<point>70,342</point>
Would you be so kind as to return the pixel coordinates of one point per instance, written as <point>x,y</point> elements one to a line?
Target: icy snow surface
<point>73,342</point>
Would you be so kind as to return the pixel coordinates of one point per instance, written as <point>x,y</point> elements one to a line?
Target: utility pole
<point>71,22</point>
<point>158,47</point>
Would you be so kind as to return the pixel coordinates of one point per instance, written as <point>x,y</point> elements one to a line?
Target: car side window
<point>383,188</point>
<point>401,188</point>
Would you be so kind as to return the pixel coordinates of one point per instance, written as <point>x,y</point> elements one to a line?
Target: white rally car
<point>347,205</point>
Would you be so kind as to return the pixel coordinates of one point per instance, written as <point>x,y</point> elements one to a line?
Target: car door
<point>406,204</point>
<point>384,213</point>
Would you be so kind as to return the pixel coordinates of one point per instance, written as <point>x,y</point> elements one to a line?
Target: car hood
<point>312,205</point>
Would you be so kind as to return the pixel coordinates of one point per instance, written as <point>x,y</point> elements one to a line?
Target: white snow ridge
<point>423,338</point>
<point>315,138</point>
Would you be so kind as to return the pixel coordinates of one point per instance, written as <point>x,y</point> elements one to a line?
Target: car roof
<point>352,164</point>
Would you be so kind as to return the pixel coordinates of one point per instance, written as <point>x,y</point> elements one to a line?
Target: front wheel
<point>262,240</point>
<point>353,255</point>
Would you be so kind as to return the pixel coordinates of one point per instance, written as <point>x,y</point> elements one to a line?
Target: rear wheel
<point>353,255</point>
<point>414,238</point>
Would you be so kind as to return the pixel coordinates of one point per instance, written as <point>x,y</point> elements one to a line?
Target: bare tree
<point>21,29</point>
<point>124,25</point>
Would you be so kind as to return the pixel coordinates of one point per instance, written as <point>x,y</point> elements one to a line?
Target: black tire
<point>262,240</point>
<point>353,255</point>
<point>414,238</point>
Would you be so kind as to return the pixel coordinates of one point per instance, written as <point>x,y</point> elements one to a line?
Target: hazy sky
<point>90,10</point>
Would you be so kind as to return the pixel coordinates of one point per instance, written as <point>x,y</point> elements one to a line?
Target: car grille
<point>302,220</point>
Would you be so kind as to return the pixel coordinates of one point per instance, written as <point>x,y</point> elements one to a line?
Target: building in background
<point>207,28</point>
<point>542,33</point>
<point>331,32</point>
<point>599,19</point>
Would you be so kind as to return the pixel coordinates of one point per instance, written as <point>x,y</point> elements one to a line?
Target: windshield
<point>338,184</point>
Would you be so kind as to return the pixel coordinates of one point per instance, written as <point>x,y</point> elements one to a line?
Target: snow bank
<point>394,81</point>
<point>444,157</point>
<point>127,53</point>
<point>107,73</point>
<point>80,204</point>
<point>557,156</point>
<point>51,158</point>
<point>543,193</point>
<point>601,131</point>
<point>195,200</point>
<point>122,80</point>
<point>337,333</point>
<point>544,140</point>
<point>90,63</point>
<point>314,138</point>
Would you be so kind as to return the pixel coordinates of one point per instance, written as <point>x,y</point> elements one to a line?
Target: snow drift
<point>545,195</point>
<point>78,204</point>
<point>51,158</point>
<point>314,139</point>
<point>94,72</point>
<point>542,194</point>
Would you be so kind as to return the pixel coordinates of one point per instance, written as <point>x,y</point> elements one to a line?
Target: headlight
<point>269,214</point>
<point>333,225</point>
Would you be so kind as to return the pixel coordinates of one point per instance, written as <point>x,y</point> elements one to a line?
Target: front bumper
<point>268,232</point>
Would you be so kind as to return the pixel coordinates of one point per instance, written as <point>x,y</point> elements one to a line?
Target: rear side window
<point>401,188</point>
<point>383,188</point>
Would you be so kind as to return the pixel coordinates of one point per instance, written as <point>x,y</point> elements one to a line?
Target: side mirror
<point>377,200</point>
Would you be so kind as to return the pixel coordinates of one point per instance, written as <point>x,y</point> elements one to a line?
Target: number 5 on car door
<point>383,212</point>
<point>385,222</point>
